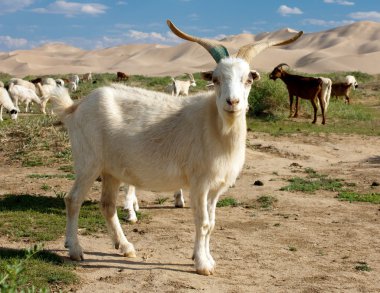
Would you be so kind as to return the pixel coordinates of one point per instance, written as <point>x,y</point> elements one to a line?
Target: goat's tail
<point>62,103</point>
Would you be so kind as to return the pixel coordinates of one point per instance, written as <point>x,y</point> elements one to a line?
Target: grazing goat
<point>23,82</point>
<point>25,95</point>
<point>309,88</point>
<point>155,141</point>
<point>60,82</point>
<point>6,102</point>
<point>120,76</point>
<point>131,204</point>
<point>72,86</point>
<point>182,86</point>
<point>341,89</point>
<point>45,92</point>
<point>87,77</point>
<point>74,78</point>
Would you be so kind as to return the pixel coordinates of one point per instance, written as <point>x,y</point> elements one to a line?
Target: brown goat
<point>308,88</point>
<point>339,89</point>
<point>121,76</point>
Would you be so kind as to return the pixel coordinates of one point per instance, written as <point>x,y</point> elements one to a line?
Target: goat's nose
<point>232,101</point>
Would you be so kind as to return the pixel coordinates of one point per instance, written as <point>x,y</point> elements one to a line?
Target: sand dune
<point>354,47</point>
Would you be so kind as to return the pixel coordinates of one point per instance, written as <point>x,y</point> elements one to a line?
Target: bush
<point>267,97</point>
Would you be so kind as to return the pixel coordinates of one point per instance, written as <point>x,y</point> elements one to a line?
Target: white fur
<point>350,79</point>
<point>60,82</point>
<point>6,102</point>
<point>75,78</point>
<point>87,77</point>
<point>25,95</point>
<point>155,141</point>
<point>326,91</point>
<point>23,82</point>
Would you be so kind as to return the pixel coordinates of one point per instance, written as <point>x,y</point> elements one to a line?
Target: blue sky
<point>94,24</point>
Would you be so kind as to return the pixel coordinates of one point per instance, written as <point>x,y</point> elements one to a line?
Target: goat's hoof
<point>77,257</point>
<point>205,272</point>
<point>128,250</point>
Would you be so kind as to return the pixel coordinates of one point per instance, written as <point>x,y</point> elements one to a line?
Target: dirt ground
<point>304,243</point>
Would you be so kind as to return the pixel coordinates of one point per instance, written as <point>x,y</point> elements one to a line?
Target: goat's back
<point>340,89</point>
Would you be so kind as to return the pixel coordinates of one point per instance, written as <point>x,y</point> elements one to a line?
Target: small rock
<point>375,183</point>
<point>258,183</point>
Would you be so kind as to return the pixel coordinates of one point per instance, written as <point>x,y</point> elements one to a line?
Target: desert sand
<point>352,47</point>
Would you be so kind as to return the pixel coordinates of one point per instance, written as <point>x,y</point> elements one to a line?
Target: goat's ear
<point>207,75</point>
<point>254,75</point>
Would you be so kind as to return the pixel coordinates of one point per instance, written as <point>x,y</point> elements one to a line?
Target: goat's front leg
<point>347,101</point>
<point>290,106</point>
<point>323,105</point>
<point>296,110</point>
<point>203,266</point>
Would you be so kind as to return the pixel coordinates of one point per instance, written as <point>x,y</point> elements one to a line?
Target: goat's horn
<point>217,50</point>
<point>249,51</point>
<point>282,64</point>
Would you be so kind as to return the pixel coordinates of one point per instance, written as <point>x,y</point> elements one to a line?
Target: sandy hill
<point>354,47</point>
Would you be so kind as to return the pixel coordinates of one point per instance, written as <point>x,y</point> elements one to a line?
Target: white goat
<point>87,77</point>
<point>74,78</point>
<point>25,95</point>
<point>132,206</point>
<point>45,91</point>
<point>155,141</point>
<point>72,86</point>
<point>182,86</point>
<point>6,102</point>
<point>350,79</point>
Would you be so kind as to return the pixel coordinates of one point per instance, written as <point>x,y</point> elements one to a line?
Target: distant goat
<point>352,80</point>
<point>25,95</point>
<point>181,87</point>
<point>308,88</point>
<point>341,89</point>
<point>120,76</point>
<point>87,77</point>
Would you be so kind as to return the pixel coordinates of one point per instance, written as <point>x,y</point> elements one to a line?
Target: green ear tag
<point>219,53</point>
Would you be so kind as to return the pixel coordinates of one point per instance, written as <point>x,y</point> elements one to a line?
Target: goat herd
<point>155,141</point>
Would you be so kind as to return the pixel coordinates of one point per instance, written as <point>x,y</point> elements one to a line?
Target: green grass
<point>47,176</point>
<point>357,197</point>
<point>227,202</point>
<point>266,201</point>
<point>41,218</point>
<point>28,269</point>
<point>161,200</point>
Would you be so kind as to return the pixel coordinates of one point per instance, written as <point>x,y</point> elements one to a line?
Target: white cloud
<point>368,15</point>
<point>340,2</point>
<point>12,43</point>
<point>9,6</point>
<point>72,8</point>
<point>326,23</point>
<point>151,37</point>
<point>286,10</point>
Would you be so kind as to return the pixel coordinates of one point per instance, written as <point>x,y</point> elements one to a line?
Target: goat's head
<point>232,76</point>
<point>13,114</point>
<point>192,80</point>
<point>278,71</point>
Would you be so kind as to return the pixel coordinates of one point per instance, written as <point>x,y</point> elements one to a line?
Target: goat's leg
<point>314,104</point>
<point>131,204</point>
<point>347,99</point>
<point>110,189</point>
<point>73,203</point>
<point>323,105</point>
<point>290,106</point>
<point>198,195</point>
<point>212,201</point>
<point>1,112</point>
<point>296,108</point>
<point>179,201</point>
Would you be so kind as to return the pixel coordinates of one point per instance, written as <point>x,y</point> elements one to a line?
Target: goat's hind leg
<point>73,202</point>
<point>110,189</point>
<point>131,204</point>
